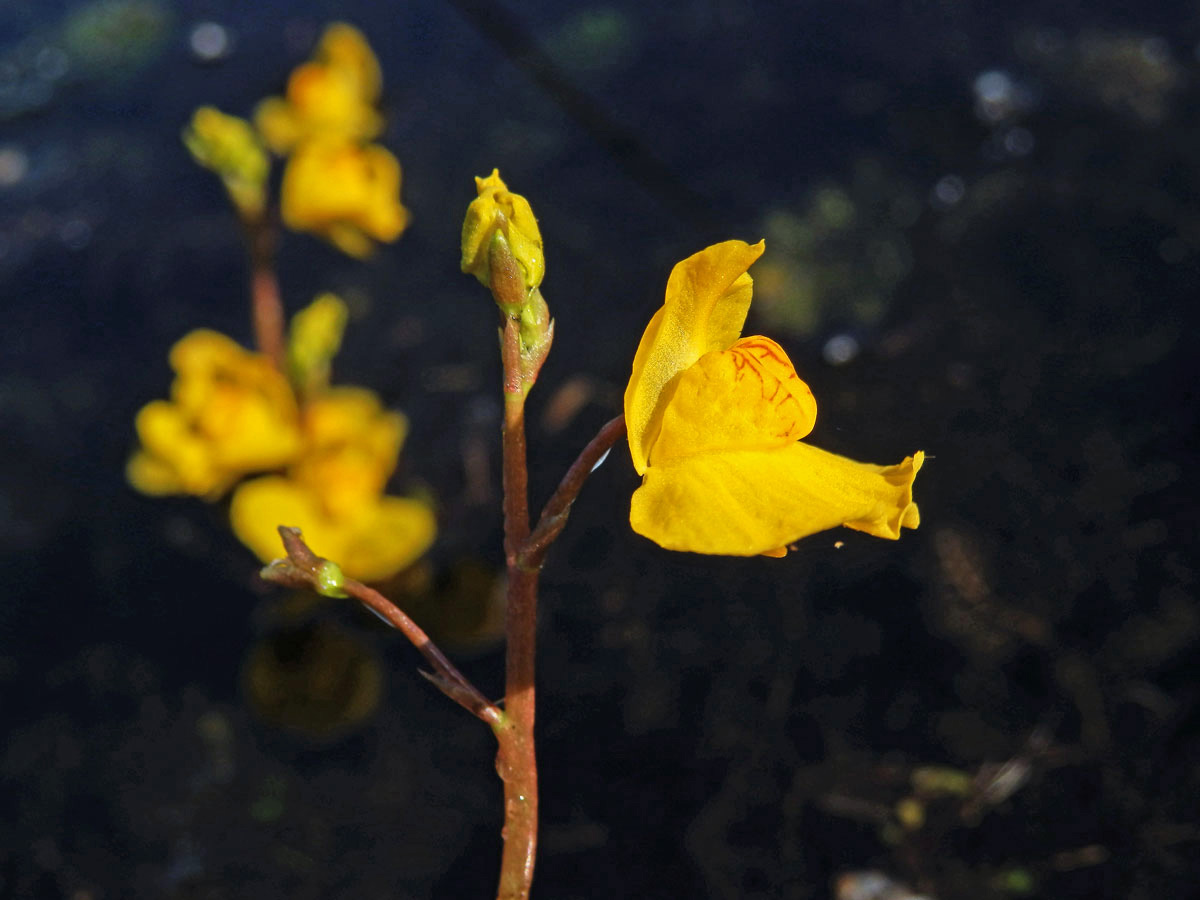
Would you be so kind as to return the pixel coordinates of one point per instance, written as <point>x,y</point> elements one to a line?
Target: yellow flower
<point>331,97</point>
<point>497,209</point>
<point>347,194</point>
<point>334,492</point>
<point>228,146</point>
<point>715,425</point>
<point>231,413</point>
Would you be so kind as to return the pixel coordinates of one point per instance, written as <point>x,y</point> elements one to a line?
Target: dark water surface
<point>983,240</point>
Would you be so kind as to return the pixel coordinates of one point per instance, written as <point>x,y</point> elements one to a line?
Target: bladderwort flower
<point>330,451</point>
<point>715,426</point>
<point>330,97</point>
<point>343,192</point>
<point>334,492</point>
<point>336,185</point>
<point>231,414</point>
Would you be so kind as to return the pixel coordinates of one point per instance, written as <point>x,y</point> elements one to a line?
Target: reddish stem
<point>265,302</point>
<point>516,760</point>
<point>554,515</point>
<point>301,568</point>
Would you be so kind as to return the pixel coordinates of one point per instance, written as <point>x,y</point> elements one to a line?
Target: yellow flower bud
<point>315,338</point>
<point>229,146</point>
<point>497,209</point>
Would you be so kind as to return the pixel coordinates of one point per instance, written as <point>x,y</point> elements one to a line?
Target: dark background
<point>1009,262</point>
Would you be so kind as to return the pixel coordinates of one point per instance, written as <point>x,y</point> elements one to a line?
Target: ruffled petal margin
<point>751,502</point>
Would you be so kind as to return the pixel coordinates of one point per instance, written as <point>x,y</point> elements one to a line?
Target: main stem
<point>516,760</point>
<point>265,303</point>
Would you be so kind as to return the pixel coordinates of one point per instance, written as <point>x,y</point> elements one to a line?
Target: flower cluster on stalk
<point>322,455</point>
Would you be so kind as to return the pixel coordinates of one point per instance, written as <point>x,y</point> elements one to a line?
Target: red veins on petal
<point>744,398</point>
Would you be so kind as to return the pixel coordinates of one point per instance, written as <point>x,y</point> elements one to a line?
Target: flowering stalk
<point>516,760</point>
<point>230,147</point>
<point>266,306</point>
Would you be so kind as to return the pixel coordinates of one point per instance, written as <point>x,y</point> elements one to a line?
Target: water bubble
<point>14,166</point>
<point>1018,141</point>
<point>840,349</point>
<point>209,41</point>
<point>51,63</point>
<point>995,96</point>
<point>948,191</point>
<point>993,86</point>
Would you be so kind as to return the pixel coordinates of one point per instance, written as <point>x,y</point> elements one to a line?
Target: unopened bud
<point>314,340</point>
<point>507,278</point>
<point>229,146</point>
<point>496,210</point>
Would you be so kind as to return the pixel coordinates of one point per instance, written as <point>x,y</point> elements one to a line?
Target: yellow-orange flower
<point>715,425</point>
<point>331,97</point>
<point>334,492</point>
<point>346,193</point>
<point>231,413</point>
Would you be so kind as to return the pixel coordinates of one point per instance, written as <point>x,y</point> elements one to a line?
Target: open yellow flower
<point>715,425</point>
<point>333,96</point>
<point>347,194</point>
<point>334,492</point>
<point>231,413</point>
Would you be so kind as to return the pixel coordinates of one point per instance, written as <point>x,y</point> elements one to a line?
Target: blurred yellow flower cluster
<point>331,449</point>
<point>336,184</point>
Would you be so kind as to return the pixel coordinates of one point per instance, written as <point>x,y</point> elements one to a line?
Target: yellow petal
<point>748,397</point>
<point>345,193</point>
<point>344,48</point>
<point>747,502</point>
<point>374,541</point>
<point>260,505</point>
<point>389,537</point>
<point>167,437</point>
<point>707,297</point>
<point>277,124</point>
<point>203,350</point>
<point>152,475</point>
